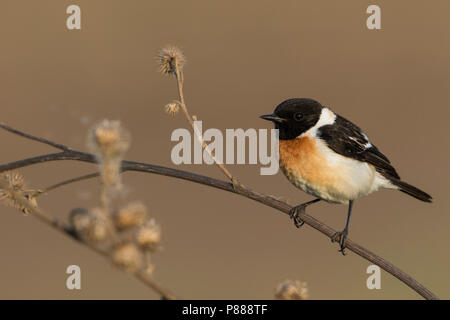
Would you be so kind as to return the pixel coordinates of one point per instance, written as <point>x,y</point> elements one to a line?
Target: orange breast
<point>317,170</point>
<point>302,163</point>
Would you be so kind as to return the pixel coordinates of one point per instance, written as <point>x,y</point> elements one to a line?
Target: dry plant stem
<point>105,215</point>
<point>68,231</point>
<point>70,154</point>
<point>179,77</point>
<point>34,138</point>
<point>104,202</point>
<point>66,182</point>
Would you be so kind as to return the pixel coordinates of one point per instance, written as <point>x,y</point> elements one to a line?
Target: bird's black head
<point>295,116</point>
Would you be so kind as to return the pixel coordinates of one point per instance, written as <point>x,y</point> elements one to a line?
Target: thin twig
<point>70,154</point>
<point>31,137</point>
<point>179,76</point>
<point>66,182</point>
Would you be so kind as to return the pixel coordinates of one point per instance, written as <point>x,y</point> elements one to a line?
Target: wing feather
<point>349,140</point>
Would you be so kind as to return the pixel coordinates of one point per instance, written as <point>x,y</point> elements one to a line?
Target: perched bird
<point>329,157</point>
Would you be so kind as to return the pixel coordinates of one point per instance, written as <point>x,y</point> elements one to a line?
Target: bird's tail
<point>411,190</point>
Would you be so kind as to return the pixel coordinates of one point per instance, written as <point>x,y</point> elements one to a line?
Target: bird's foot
<point>295,214</point>
<point>340,237</point>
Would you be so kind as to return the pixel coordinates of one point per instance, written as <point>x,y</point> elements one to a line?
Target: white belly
<point>339,179</point>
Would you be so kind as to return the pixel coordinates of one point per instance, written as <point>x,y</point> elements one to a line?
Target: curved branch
<point>69,154</point>
<point>31,137</point>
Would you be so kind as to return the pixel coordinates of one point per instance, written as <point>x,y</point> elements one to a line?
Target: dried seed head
<point>13,192</point>
<point>98,230</point>
<point>79,218</point>
<point>292,290</point>
<point>107,139</point>
<point>133,215</point>
<point>170,59</point>
<point>13,180</point>
<point>88,224</point>
<point>172,108</point>
<point>148,237</point>
<point>128,256</point>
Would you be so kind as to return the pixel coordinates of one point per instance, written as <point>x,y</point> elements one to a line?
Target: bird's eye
<point>298,116</point>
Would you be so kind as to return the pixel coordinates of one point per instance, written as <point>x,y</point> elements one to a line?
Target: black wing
<point>347,139</point>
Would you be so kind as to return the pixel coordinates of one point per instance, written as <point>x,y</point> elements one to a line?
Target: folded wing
<point>347,139</point>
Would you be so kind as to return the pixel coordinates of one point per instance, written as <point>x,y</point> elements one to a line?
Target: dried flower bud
<point>13,192</point>
<point>133,215</point>
<point>108,139</point>
<point>172,108</point>
<point>292,290</point>
<point>149,236</point>
<point>88,224</point>
<point>170,59</point>
<point>128,257</point>
<point>99,227</point>
<point>13,180</point>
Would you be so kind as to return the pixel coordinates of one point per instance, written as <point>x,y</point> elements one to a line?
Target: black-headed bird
<point>329,157</point>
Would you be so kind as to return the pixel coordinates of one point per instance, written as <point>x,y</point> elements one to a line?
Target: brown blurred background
<point>244,57</point>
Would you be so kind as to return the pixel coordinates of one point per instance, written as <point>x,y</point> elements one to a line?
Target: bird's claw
<point>340,237</point>
<point>295,213</point>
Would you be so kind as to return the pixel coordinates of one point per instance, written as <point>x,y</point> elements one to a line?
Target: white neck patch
<point>327,117</point>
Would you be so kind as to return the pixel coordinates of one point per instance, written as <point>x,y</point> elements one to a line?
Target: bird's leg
<point>296,211</point>
<point>341,237</point>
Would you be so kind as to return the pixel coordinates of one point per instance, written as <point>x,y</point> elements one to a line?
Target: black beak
<point>272,117</point>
